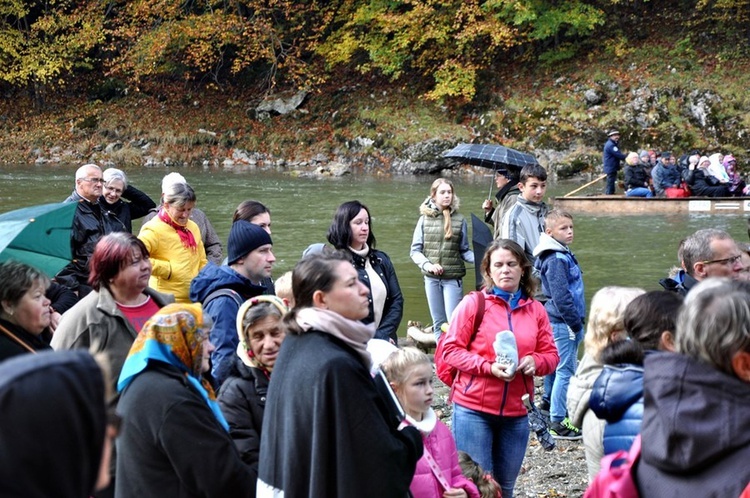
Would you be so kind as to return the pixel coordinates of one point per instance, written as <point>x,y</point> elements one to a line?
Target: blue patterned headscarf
<point>174,335</point>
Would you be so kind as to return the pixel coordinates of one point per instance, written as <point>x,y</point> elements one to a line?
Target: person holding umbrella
<point>439,247</point>
<point>507,181</point>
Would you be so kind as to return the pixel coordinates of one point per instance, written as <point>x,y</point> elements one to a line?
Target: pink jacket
<point>473,355</point>
<point>441,445</point>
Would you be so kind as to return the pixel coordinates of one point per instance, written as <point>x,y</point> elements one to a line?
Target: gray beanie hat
<point>244,237</point>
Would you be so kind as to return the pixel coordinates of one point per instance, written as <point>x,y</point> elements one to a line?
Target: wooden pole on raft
<point>584,186</point>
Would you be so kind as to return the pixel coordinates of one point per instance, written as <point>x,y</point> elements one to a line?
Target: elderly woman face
<point>133,275</point>
<point>180,213</point>
<point>265,337</point>
<point>113,191</point>
<point>31,312</point>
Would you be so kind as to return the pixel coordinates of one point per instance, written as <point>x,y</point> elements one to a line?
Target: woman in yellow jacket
<point>174,243</point>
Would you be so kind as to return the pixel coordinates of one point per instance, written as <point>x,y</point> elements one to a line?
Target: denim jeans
<point>497,444</point>
<point>443,295</point>
<point>556,384</point>
<point>639,192</point>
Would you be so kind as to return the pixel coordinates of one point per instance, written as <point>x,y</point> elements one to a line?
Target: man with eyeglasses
<point>706,253</point>
<point>88,227</point>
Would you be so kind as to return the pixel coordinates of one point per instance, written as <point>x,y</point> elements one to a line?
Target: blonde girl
<point>605,325</point>
<point>439,247</point>
<point>409,372</point>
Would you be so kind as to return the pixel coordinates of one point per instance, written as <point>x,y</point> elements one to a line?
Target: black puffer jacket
<point>703,184</point>
<point>118,217</point>
<point>635,177</point>
<point>393,309</point>
<point>242,399</point>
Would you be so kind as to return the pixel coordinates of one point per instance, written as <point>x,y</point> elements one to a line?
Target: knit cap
<point>244,237</point>
<point>506,350</point>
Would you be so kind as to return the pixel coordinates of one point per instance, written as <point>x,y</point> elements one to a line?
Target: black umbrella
<point>481,238</point>
<point>494,157</point>
<point>490,156</point>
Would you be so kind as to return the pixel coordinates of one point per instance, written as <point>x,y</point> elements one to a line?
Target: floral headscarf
<point>174,335</point>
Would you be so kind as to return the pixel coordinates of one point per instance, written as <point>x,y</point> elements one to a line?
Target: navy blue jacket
<point>612,156</point>
<point>223,310</point>
<point>617,397</point>
<point>562,283</point>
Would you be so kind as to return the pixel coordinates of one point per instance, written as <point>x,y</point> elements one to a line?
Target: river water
<point>611,249</point>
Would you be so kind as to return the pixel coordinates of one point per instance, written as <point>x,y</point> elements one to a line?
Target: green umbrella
<point>38,236</point>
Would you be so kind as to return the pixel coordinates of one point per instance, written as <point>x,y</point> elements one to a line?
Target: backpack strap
<point>223,293</point>
<point>479,315</point>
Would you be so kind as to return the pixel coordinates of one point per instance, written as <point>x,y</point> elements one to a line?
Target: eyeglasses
<point>93,180</point>
<point>726,261</point>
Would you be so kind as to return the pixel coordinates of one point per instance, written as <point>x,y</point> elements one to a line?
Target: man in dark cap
<point>222,289</point>
<point>612,156</point>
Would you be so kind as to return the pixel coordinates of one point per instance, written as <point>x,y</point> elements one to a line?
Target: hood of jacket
<point>58,398</point>
<point>615,390</point>
<point>694,415</point>
<point>548,243</point>
<point>429,208</point>
<point>213,277</point>
<point>536,208</point>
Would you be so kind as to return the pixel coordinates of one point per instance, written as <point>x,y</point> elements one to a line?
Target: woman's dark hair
<point>620,352</point>
<point>247,210</point>
<point>340,233</point>
<point>112,253</point>
<point>17,278</point>
<point>316,272</point>
<point>528,284</point>
<point>649,315</point>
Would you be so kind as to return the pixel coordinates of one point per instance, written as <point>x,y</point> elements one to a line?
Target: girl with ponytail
<point>439,247</point>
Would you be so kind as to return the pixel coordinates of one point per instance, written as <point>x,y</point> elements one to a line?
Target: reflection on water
<point>612,250</point>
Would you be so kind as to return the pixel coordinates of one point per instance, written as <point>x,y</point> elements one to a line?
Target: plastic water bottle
<point>538,424</point>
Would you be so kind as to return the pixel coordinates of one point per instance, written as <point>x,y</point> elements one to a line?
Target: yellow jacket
<point>174,265</point>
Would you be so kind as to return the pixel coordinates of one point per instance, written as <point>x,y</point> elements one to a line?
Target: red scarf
<point>186,236</point>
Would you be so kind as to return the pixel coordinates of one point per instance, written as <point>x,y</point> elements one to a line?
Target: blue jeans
<point>497,444</point>
<point>443,295</point>
<point>556,384</point>
<point>639,192</point>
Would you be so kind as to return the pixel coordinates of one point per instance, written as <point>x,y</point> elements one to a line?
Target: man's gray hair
<point>83,171</point>
<point>697,247</point>
<point>714,323</point>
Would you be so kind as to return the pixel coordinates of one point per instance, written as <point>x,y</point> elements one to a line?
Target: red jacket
<point>473,355</point>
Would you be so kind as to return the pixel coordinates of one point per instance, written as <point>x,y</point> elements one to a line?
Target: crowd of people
<point>152,366</point>
<point>649,173</point>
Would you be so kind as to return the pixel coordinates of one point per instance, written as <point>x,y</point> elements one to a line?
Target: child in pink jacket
<point>409,373</point>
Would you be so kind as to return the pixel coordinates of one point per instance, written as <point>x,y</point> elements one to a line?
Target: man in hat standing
<point>612,157</point>
<point>222,289</point>
<point>507,181</point>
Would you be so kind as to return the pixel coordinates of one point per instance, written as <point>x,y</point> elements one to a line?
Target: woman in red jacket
<point>489,419</point>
